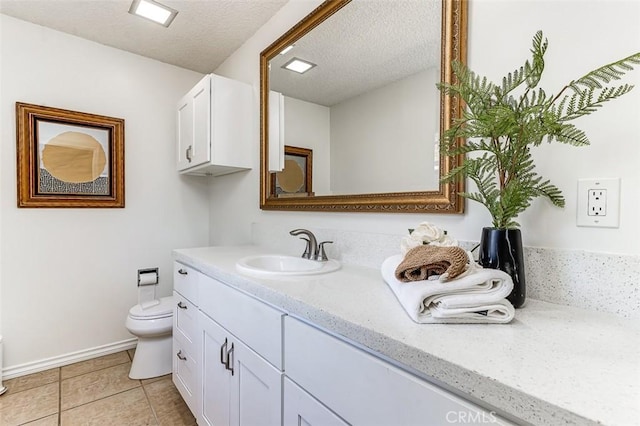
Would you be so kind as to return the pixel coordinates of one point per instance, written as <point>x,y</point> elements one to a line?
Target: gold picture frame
<point>68,158</point>
<point>296,178</point>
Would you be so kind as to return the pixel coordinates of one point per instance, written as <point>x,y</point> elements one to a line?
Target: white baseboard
<point>61,360</point>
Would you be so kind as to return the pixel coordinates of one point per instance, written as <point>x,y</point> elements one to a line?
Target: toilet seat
<point>162,310</point>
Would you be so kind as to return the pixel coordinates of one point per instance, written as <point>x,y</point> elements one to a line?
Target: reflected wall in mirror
<point>368,107</point>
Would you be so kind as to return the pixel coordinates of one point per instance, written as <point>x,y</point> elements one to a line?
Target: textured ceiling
<point>201,37</point>
<point>366,45</point>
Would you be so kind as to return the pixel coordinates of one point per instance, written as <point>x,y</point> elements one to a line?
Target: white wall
<point>68,276</point>
<point>583,35</point>
<point>307,126</point>
<point>392,125</point>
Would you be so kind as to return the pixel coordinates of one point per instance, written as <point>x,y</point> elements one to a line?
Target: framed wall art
<point>295,180</point>
<point>68,158</point>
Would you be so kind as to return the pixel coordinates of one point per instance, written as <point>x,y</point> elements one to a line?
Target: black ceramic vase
<point>502,249</point>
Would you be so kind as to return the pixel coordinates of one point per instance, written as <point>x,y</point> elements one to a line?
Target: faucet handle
<point>322,255</point>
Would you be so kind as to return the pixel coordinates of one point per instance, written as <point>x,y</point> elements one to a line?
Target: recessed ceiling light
<point>286,49</point>
<point>153,11</point>
<point>298,65</point>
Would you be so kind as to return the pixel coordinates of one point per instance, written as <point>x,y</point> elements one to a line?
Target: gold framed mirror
<point>395,64</point>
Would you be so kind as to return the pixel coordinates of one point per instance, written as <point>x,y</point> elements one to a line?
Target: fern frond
<point>546,189</point>
<point>583,103</point>
<point>606,73</point>
<point>570,134</point>
<point>453,174</point>
<point>512,81</point>
<point>539,48</point>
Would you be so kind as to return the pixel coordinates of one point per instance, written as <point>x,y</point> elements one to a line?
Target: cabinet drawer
<point>363,389</point>
<point>185,281</point>
<point>259,326</point>
<point>185,372</point>
<point>185,318</point>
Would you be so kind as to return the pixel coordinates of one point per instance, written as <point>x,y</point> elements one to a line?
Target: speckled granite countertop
<point>552,365</point>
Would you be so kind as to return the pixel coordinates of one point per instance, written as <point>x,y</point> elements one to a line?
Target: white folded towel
<point>478,296</point>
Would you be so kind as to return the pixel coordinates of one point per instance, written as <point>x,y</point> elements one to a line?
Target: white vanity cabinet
<point>240,361</point>
<point>239,353</point>
<point>186,342</point>
<point>342,383</point>
<point>214,123</point>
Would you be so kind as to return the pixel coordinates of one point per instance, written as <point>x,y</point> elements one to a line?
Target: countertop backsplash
<point>589,280</point>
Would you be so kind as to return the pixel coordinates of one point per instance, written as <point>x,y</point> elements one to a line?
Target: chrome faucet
<point>313,250</point>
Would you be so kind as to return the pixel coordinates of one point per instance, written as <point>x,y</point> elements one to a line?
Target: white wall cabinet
<point>214,123</point>
<point>276,131</point>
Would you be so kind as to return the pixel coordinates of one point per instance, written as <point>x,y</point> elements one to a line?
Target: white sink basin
<point>280,265</point>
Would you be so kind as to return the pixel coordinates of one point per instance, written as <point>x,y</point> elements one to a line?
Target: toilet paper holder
<point>148,276</point>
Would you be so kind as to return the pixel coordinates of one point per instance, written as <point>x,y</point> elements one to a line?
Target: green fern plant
<point>502,122</point>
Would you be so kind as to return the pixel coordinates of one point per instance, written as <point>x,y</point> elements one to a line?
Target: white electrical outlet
<point>599,202</point>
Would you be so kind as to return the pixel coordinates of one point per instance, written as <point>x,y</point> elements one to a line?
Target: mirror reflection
<point>367,109</point>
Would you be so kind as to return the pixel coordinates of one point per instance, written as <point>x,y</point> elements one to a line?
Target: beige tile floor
<point>93,392</point>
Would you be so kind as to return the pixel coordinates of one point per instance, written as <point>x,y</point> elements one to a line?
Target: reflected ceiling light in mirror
<point>153,11</point>
<point>298,65</point>
<point>286,49</point>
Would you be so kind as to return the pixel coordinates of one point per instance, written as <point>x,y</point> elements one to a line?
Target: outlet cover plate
<point>611,208</point>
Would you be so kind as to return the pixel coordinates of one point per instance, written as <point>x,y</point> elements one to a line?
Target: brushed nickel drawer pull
<point>229,365</point>
<point>223,351</point>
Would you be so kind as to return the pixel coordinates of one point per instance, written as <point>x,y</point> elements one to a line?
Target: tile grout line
<point>104,397</point>
<point>153,410</point>
<point>92,371</point>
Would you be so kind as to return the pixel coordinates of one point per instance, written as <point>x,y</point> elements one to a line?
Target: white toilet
<point>153,326</point>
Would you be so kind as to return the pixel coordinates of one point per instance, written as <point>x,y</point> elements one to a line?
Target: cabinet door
<point>256,389</point>
<point>216,379</point>
<point>301,409</point>
<point>276,131</point>
<point>366,390</point>
<point>194,126</point>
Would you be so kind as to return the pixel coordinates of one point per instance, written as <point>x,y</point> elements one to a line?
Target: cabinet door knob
<point>180,356</point>
<point>182,271</point>
<point>182,305</point>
